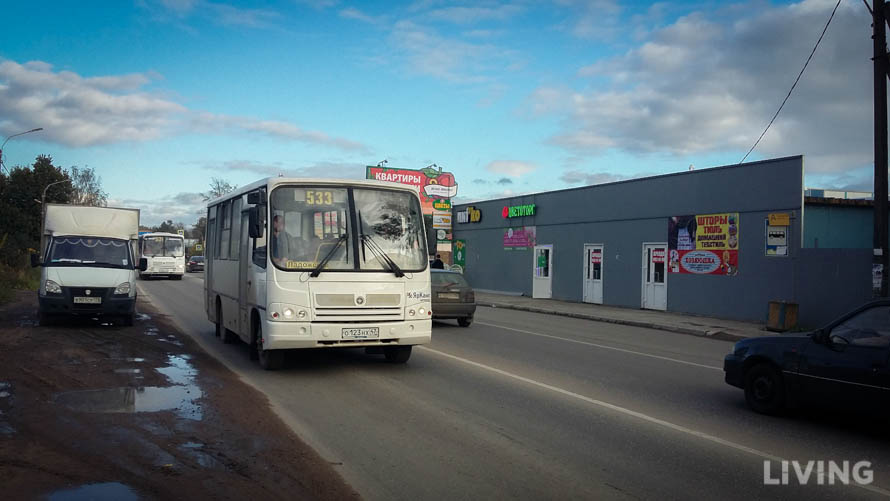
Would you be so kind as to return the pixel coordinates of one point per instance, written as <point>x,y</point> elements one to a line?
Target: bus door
<point>244,280</point>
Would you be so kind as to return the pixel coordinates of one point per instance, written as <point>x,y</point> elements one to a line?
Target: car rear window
<point>449,279</point>
<point>198,259</point>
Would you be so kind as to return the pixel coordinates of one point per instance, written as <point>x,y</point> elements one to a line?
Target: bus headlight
<point>411,313</point>
<point>421,312</point>
<point>122,289</point>
<point>283,312</point>
<point>52,287</point>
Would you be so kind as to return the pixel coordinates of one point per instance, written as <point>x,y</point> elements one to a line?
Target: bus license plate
<point>88,300</point>
<point>361,333</point>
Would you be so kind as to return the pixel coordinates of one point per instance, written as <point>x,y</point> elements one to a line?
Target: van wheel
<point>270,360</point>
<point>397,354</point>
<point>764,389</point>
<point>127,320</point>
<point>464,322</point>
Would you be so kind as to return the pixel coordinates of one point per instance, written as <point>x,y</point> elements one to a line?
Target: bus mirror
<point>35,261</point>
<point>143,264</point>
<point>254,225</point>
<point>256,198</point>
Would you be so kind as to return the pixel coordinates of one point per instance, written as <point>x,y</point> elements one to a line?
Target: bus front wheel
<point>270,360</point>
<point>397,354</point>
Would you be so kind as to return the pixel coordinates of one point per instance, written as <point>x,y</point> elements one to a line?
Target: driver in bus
<point>281,241</point>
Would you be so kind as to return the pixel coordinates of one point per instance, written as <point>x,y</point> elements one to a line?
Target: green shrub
<point>17,277</point>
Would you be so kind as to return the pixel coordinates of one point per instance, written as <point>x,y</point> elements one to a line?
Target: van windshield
<point>89,251</point>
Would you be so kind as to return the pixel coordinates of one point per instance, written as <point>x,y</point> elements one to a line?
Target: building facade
<point>720,242</point>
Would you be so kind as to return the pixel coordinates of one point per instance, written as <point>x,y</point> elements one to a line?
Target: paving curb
<point>721,335</point>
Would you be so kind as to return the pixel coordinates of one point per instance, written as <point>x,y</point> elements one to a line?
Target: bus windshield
<point>306,225</point>
<point>392,224</point>
<point>162,246</point>
<point>310,224</point>
<point>78,251</point>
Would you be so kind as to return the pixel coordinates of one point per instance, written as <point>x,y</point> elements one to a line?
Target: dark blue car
<point>846,364</point>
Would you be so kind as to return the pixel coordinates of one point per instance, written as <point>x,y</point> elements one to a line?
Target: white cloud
<point>470,15</point>
<point>220,13</point>
<point>510,168</point>
<point>227,15</point>
<point>353,13</point>
<point>425,52</point>
<point>318,4</point>
<point>585,178</point>
<point>77,111</point>
<point>184,207</point>
<point>592,19</point>
<point>340,170</point>
<point>711,85</point>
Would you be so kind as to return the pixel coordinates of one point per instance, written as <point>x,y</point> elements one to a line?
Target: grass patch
<point>21,278</point>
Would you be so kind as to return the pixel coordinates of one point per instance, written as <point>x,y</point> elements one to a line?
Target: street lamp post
<point>43,212</point>
<point>12,136</point>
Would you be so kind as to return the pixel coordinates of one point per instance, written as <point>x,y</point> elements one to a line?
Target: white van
<point>87,262</point>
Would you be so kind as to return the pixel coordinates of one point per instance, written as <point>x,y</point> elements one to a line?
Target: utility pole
<point>881,257</point>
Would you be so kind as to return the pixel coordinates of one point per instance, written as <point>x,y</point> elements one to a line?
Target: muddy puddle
<point>110,491</point>
<point>180,398</point>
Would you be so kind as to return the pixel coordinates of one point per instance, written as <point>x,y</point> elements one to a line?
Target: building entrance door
<point>654,276</point>
<point>543,272</point>
<point>593,273</point>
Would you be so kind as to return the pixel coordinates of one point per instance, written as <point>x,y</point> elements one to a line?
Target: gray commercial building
<point>720,242</point>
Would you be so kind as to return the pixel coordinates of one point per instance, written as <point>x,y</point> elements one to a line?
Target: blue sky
<point>158,96</point>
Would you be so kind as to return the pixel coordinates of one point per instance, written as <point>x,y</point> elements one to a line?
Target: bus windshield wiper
<point>381,255</point>
<point>327,257</point>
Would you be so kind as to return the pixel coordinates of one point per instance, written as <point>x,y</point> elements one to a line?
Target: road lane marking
<point>605,347</point>
<point>632,413</point>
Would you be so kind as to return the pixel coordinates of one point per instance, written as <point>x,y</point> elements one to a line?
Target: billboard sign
<point>704,244</point>
<point>520,238</point>
<point>436,187</point>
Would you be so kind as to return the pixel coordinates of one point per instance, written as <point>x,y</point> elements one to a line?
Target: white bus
<point>165,254</point>
<point>312,263</point>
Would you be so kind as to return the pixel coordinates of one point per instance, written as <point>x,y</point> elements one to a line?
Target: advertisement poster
<point>704,244</point>
<point>460,253</point>
<point>519,238</point>
<point>776,240</point>
<point>442,221</point>
<point>436,187</point>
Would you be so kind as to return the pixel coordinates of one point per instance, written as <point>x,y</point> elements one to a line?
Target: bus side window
<point>259,250</point>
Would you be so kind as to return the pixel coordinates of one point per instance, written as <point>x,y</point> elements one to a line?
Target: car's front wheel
<point>764,389</point>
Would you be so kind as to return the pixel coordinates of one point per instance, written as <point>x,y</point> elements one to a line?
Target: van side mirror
<point>255,224</point>
<point>35,261</point>
<point>143,264</point>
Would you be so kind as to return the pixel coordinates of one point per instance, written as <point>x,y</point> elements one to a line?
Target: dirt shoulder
<point>84,403</point>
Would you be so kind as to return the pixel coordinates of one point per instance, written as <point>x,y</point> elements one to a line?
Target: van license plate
<point>88,300</point>
<point>362,333</point>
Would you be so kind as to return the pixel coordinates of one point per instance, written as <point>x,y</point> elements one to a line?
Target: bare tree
<point>87,187</point>
<point>218,188</point>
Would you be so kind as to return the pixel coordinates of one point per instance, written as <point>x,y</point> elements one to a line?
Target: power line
<point>795,81</point>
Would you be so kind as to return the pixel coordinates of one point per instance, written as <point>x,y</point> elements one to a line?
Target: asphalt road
<point>529,406</point>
